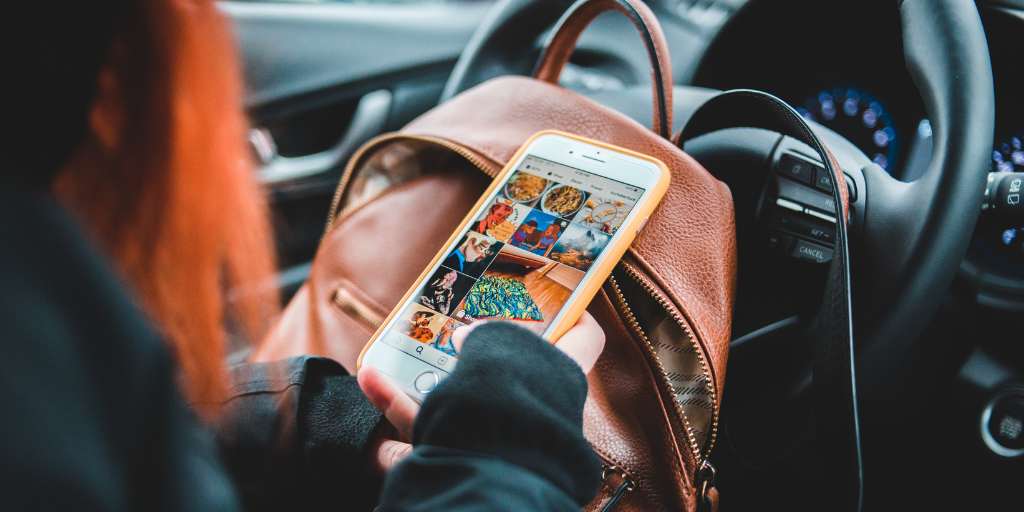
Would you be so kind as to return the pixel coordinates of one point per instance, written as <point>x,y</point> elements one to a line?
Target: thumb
<point>389,453</point>
<point>460,334</point>
<point>385,395</point>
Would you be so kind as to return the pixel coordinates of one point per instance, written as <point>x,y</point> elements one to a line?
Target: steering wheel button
<point>823,180</point>
<point>822,235</point>
<point>807,251</point>
<point>820,215</point>
<point>796,169</point>
<point>806,196</point>
<point>806,227</point>
<point>789,205</point>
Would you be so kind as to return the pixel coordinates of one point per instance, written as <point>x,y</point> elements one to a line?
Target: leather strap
<point>834,386</point>
<point>567,32</point>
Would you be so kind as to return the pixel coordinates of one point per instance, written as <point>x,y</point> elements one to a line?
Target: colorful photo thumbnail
<point>603,213</point>
<point>524,188</point>
<point>443,341</point>
<point>421,324</point>
<point>563,201</point>
<point>472,254</point>
<point>444,290</point>
<point>520,287</point>
<point>538,232</point>
<point>501,218</point>
<point>579,246</point>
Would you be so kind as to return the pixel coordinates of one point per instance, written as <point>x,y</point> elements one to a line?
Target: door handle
<point>368,120</point>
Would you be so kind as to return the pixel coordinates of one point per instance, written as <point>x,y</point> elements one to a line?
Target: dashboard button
<point>807,251</point>
<point>426,382</point>
<point>796,169</point>
<point>1002,423</point>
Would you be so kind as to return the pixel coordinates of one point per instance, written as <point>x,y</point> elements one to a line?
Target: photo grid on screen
<point>524,255</point>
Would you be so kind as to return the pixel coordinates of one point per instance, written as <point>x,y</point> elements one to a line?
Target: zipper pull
<point>626,486</point>
<point>705,481</point>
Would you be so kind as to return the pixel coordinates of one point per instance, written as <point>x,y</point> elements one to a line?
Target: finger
<point>389,453</point>
<point>459,336</point>
<point>397,407</point>
<point>583,342</point>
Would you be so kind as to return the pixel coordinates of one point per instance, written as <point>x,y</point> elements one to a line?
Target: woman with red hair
<point>121,236</point>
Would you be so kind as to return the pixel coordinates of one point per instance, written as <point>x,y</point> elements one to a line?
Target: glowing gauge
<point>860,118</point>
<point>998,244</point>
<point>1008,155</point>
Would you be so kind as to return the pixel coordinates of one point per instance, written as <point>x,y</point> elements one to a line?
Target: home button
<point>426,382</point>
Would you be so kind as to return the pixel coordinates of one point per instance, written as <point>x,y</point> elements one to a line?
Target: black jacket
<point>93,419</point>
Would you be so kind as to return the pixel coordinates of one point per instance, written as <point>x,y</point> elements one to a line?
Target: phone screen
<point>525,253</point>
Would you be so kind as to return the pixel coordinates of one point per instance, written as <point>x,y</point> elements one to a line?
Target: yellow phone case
<point>601,272</point>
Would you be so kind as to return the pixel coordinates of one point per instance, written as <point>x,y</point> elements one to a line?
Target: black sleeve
<point>294,435</point>
<point>93,419</point>
<point>502,432</point>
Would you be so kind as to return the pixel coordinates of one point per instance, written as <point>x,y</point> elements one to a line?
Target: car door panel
<point>321,80</point>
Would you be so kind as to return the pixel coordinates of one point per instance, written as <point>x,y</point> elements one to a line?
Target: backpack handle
<point>567,32</point>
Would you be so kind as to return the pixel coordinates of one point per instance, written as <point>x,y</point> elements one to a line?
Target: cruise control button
<point>796,169</point>
<point>823,180</point>
<point>827,235</point>
<point>426,382</point>
<point>801,225</point>
<point>805,196</point>
<point>806,251</point>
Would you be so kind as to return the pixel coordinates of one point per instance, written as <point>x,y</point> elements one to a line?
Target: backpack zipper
<point>699,453</point>
<point>705,366</point>
<point>704,482</point>
<point>483,163</point>
<point>342,298</point>
<point>626,486</point>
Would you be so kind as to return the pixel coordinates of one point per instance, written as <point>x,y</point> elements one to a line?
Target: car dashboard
<point>843,68</point>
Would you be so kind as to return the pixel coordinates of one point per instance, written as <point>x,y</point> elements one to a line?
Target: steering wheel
<point>907,238</point>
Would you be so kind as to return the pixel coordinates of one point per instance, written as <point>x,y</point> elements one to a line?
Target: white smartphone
<point>534,250</point>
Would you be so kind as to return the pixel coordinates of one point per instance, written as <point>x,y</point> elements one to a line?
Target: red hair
<point>164,183</point>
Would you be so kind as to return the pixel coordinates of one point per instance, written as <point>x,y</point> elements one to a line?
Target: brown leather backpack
<point>655,394</point>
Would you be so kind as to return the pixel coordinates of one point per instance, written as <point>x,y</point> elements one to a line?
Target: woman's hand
<point>583,343</point>
<point>391,447</point>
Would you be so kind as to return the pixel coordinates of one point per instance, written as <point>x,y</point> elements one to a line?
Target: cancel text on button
<point>804,250</point>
